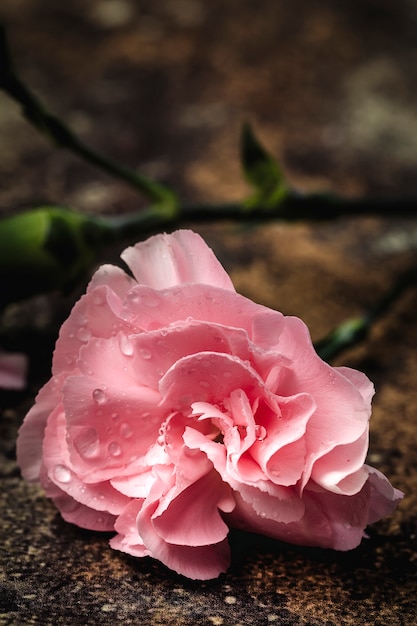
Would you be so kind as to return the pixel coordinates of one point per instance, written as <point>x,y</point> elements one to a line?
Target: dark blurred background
<point>164,86</point>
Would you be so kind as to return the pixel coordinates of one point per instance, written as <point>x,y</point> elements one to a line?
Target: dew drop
<point>126,345</point>
<point>83,334</point>
<point>144,353</point>
<point>260,432</point>
<point>204,384</point>
<point>69,359</point>
<point>115,416</point>
<point>133,296</point>
<point>114,448</point>
<point>99,396</point>
<point>87,369</point>
<point>227,374</point>
<point>347,525</point>
<point>62,474</point>
<point>125,430</point>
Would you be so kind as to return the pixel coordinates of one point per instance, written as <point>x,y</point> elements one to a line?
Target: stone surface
<point>164,87</point>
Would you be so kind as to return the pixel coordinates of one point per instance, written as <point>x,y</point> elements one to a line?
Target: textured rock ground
<point>165,86</point>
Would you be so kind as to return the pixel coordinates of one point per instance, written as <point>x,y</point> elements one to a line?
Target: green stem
<point>296,207</point>
<point>48,124</point>
<point>293,206</point>
<point>352,332</point>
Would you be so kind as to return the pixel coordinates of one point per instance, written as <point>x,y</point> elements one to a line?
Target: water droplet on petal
<point>126,345</point>
<point>260,432</point>
<point>114,448</point>
<point>99,396</point>
<point>83,334</point>
<point>144,353</point>
<point>204,384</point>
<point>133,296</point>
<point>227,374</point>
<point>125,430</point>
<point>62,474</point>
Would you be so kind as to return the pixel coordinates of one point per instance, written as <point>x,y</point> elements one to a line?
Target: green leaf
<point>262,172</point>
<point>348,334</point>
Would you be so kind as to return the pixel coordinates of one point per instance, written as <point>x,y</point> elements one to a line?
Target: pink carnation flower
<point>178,408</point>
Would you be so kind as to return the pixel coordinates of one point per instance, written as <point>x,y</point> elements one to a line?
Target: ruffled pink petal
<point>73,511</point>
<point>113,278</point>
<point>182,257</point>
<point>156,351</point>
<point>266,498</point>
<point>191,517</point>
<point>201,562</point>
<point>333,470</point>
<point>60,472</point>
<point>83,516</point>
<point>384,498</point>
<point>329,521</point>
<point>108,428</point>
<point>266,328</point>
<point>338,400</point>
<point>207,377</point>
<point>97,314</point>
<point>150,309</point>
<point>31,433</point>
<point>128,539</point>
<point>71,338</point>
<point>13,370</point>
<point>282,451</point>
<point>360,381</point>
<point>135,486</point>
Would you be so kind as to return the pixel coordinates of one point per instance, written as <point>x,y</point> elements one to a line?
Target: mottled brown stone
<point>164,86</point>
